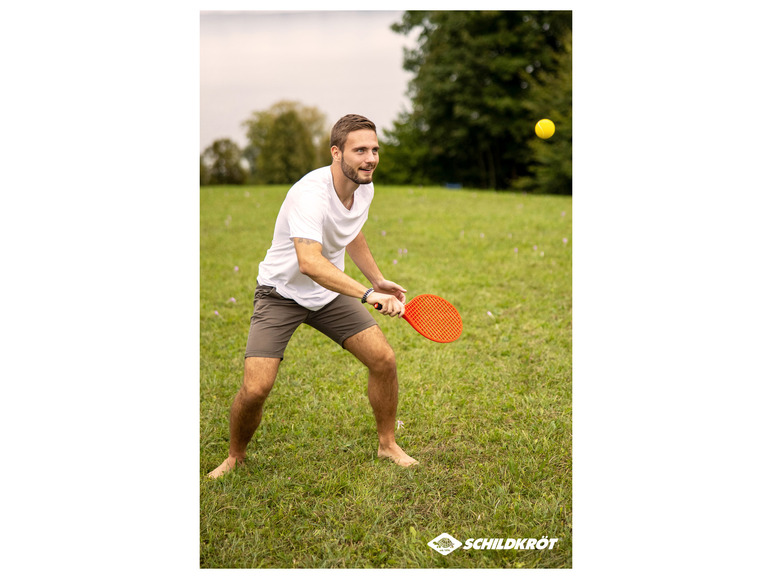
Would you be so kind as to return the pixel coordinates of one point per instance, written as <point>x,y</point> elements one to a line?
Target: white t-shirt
<point>312,210</point>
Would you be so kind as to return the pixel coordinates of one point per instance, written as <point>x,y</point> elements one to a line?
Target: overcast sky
<point>338,61</point>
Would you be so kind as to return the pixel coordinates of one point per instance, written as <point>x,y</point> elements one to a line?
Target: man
<point>301,280</point>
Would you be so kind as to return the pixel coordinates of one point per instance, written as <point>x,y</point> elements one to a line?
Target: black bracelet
<point>367,293</point>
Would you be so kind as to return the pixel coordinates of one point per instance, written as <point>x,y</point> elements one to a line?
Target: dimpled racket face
<point>433,318</point>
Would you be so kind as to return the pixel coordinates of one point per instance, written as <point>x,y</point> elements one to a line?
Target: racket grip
<point>378,306</point>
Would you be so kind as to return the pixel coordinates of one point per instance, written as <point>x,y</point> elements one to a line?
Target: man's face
<point>359,157</point>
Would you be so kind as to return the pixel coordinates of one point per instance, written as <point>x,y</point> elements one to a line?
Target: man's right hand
<point>390,305</point>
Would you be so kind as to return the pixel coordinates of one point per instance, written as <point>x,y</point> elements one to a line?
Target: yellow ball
<point>545,128</point>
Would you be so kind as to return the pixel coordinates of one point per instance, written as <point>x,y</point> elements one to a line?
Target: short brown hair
<point>346,125</point>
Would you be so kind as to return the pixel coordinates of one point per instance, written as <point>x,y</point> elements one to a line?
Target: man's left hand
<point>385,286</point>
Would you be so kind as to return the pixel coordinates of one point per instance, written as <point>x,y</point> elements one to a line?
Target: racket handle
<point>378,306</point>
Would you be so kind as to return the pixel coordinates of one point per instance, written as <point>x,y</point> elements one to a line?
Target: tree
<point>404,154</point>
<point>469,92</point>
<point>551,159</point>
<point>285,142</point>
<point>221,164</point>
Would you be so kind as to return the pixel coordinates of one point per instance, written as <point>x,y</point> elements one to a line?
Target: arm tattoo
<point>305,241</point>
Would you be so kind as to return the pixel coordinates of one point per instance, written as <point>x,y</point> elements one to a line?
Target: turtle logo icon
<point>444,544</point>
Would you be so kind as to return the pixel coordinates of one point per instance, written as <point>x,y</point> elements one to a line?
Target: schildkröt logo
<point>444,543</point>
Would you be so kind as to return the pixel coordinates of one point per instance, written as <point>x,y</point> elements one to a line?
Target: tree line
<point>482,79</point>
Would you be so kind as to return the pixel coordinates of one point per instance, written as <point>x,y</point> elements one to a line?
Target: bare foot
<point>227,465</point>
<point>398,455</point>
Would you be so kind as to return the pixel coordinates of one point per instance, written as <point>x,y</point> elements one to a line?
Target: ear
<point>335,152</point>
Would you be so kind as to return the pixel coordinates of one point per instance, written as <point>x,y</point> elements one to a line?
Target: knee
<point>256,389</point>
<point>259,376</point>
<point>384,361</point>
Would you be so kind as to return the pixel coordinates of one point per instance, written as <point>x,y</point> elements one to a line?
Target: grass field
<point>488,416</point>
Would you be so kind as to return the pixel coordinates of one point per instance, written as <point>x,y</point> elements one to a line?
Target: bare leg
<point>372,349</point>
<point>247,409</point>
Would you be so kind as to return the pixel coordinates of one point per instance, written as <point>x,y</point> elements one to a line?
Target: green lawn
<point>488,416</point>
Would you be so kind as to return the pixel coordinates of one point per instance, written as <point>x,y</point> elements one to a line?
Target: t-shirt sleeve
<point>306,217</point>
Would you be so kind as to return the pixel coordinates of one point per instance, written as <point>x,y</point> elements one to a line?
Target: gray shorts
<point>276,318</point>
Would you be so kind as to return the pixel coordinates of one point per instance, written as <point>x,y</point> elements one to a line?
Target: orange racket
<point>433,318</point>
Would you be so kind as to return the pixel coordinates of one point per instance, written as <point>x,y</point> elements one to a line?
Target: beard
<point>353,174</point>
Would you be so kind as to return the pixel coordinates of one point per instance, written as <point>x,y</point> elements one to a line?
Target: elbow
<point>306,267</point>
